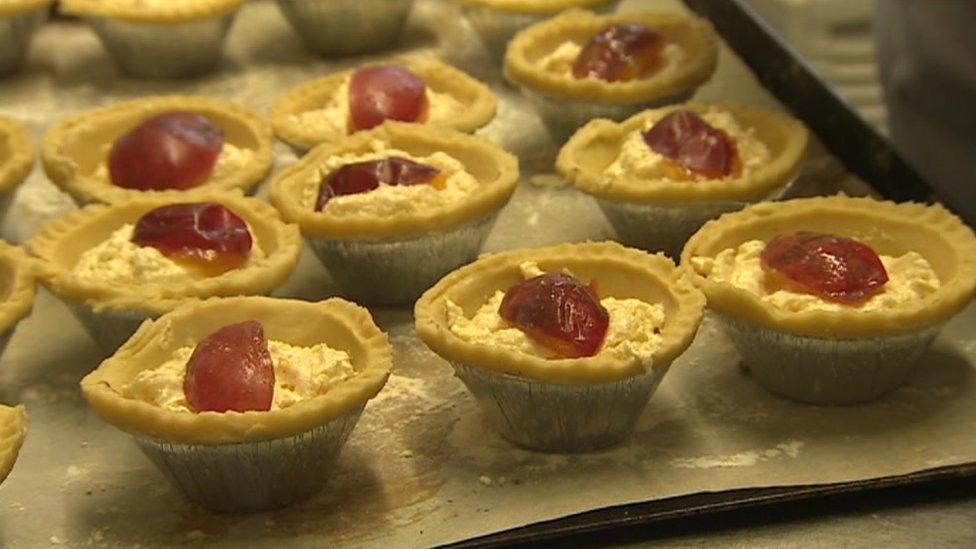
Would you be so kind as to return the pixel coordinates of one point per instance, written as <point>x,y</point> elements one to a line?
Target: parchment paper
<point>422,468</point>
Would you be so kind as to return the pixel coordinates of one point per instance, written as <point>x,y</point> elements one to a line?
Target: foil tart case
<point>15,35</point>
<point>256,475</point>
<point>110,328</point>
<point>344,27</point>
<point>392,271</point>
<point>827,371</point>
<point>560,417</point>
<point>157,50</point>
<point>497,27</point>
<point>563,117</point>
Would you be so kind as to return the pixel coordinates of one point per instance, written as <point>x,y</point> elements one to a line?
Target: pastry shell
<point>891,229</point>
<point>479,101</point>
<point>17,288</point>
<point>695,36</point>
<point>61,241</point>
<point>340,324</point>
<point>72,150</point>
<point>620,272</point>
<point>583,159</point>
<point>138,12</point>
<point>13,430</point>
<point>495,170</point>
<point>16,154</point>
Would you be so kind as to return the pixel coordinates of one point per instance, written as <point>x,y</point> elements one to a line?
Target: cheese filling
<point>638,160</point>
<point>300,374</point>
<point>334,116</point>
<point>910,277</point>
<point>389,200</point>
<point>118,260</point>
<point>561,59</point>
<point>634,331</point>
<point>230,160</point>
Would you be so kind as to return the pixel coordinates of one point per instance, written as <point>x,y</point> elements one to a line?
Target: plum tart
<point>659,175</point>
<point>562,346</point>
<point>217,390</point>
<point>833,300</point>
<point>423,91</point>
<point>157,144</point>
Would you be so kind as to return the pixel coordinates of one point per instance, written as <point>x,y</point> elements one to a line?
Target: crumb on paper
<point>547,181</point>
<point>406,454</point>
<point>16,506</point>
<point>790,449</point>
<point>84,444</point>
<point>55,540</point>
<point>533,219</point>
<point>485,479</point>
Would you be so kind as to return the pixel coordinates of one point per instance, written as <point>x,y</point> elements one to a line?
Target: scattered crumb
<point>485,479</point>
<point>55,540</point>
<point>533,219</point>
<point>16,506</point>
<point>548,181</point>
<point>406,454</point>
<point>196,535</point>
<point>84,444</point>
<point>501,481</point>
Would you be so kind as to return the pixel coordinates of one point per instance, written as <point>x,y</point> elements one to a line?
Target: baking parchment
<point>422,467</point>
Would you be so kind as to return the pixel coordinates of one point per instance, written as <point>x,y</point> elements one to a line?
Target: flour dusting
<point>790,449</point>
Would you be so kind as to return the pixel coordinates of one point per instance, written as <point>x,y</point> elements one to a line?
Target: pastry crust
<point>340,324</point>
<point>536,6</point>
<point>18,285</point>
<point>892,229</point>
<point>72,150</point>
<point>595,146</point>
<point>16,154</point>
<point>620,272</point>
<point>495,170</point>
<point>13,7</point>
<point>140,12</point>
<point>13,430</point>
<point>479,102</point>
<point>695,37</point>
<point>61,241</point>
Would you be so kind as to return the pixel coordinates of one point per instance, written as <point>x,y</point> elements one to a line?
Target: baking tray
<point>422,468</point>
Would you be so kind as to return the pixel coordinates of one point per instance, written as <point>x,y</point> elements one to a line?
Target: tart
<point>497,21</point>
<point>807,332</point>
<point>535,393</point>
<point>319,111</point>
<point>114,268</point>
<point>389,244</point>
<point>652,200</point>
<point>13,429</point>
<point>540,60</point>
<point>19,19</point>
<point>17,289</point>
<point>347,27</point>
<point>159,38</point>
<point>76,153</point>
<point>256,458</point>
<point>16,155</point>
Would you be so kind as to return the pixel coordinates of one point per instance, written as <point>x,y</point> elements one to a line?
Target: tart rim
<point>23,286</point>
<point>19,164</point>
<point>142,418</point>
<point>489,197</point>
<point>693,72</point>
<point>158,298</point>
<point>779,171</point>
<point>61,168</point>
<point>535,6</point>
<point>135,13</point>
<point>680,327</point>
<point>479,113</point>
<point>14,419</point>
<point>949,299</point>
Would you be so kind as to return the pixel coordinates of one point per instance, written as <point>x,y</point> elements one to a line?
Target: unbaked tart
<point>117,153</point>
<point>421,90</point>
<point>244,402</point>
<point>659,175</point>
<point>391,210</point>
<point>562,346</point>
<point>117,264</point>
<point>833,299</point>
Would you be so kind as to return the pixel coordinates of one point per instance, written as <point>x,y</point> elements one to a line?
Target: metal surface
<point>15,36</point>
<point>347,27</point>
<point>862,149</point>
<point>560,417</point>
<point>422,466</point>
